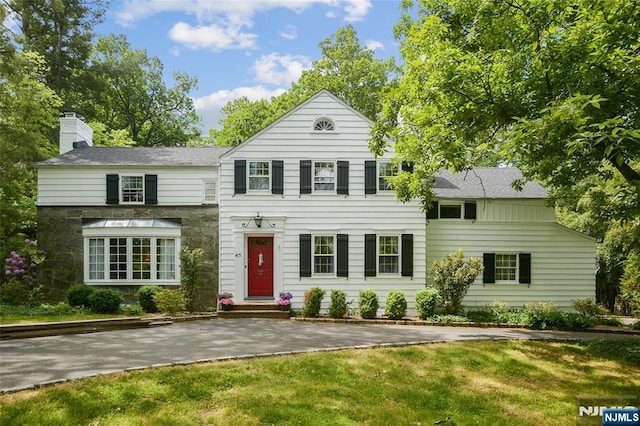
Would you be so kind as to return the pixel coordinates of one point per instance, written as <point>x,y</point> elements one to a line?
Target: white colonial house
<point>304,203</point>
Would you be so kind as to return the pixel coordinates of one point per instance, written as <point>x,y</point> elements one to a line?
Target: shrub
<point>105,301</point>
<point>426,302</point>
<point>145,295</point>
<point>635,325</point>
<point>396,304</point>
<point>14,293</point>
<point>78,295</point>
<point>369,304</point>
<point>20,285</point>
<point>192,262</point>
<point>630,287</point>
<point>453,276</point>
<point>169,301</point>
<point>541,307</point>
<point>132,310</point>
<point>59,309</point>
<point>312,302</point>
<point>338,306</point>
<point>589,308</point>
<point>558,320</point>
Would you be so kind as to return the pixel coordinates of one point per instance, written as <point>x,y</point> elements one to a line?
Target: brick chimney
<point>74,132</point>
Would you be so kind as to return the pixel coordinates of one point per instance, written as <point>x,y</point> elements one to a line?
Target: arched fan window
<point>323,124</point>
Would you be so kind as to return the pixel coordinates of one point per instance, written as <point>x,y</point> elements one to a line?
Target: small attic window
<point>323,125</point>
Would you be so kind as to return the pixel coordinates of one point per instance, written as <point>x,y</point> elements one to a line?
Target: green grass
<point>492,383</point>
<point>50,313</point>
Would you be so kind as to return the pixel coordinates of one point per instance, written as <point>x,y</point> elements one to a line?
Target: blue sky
<point>252,48</point>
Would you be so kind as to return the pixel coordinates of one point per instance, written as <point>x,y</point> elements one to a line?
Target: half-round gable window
<point>323,124</point>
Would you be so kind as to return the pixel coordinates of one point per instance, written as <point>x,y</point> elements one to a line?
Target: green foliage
<point>145,295</point>
<point>498,312</point>
<point>542,307</point>
<point>191,263</point>
<point>426,301</point>
<point>485,83</point>
<point>452,277</point>
<point>626,350</point>
<point>540,320</point>
<point>368,304</point>
<point>170,301</point>
<point>338,305</point>
<point>630,287</point>
<point>589,308</point>
<point>395,305</point>
<point>312,302</point>
<point>14,293</point>
<point>105,301</point>
<point>635,325</point>
<point>78,295</point>
<point>132,310</point>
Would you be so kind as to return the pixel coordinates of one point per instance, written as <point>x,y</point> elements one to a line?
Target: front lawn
<point>484,383</point>
<point>53,313</point>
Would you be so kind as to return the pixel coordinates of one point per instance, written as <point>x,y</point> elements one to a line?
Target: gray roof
<point>105,156</point>
<point>485,182</point>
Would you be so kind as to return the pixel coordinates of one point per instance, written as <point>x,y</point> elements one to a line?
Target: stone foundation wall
<point>60,237</point>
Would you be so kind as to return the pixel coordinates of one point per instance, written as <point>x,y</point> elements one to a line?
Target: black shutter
<point>470,210</point>
<point>112,189</point>
<point>151,189</point>
<point>277,179</point>
<point>407,167</point>
<point>369,255</point>
<point>305,255</point>
<point>305,176</point>
<point>432,213</point>
<point>489,272</point>
<point>343,255</point>
<point>370,177</point>
<point>343,177</point>
<point>407,255</point>
<point>240,177</point>
<point>525,268</point>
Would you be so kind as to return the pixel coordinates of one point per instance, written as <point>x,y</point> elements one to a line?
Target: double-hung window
<point>324,176</point>
<point>323,254</point>
<point>259,175</point>
<point>132,189</point>
<point>388,254</point>
<point>506,267</point>
<point>385,171</point>
<point>209,191</point>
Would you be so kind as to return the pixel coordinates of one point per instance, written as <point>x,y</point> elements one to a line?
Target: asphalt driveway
<point>26,363</point>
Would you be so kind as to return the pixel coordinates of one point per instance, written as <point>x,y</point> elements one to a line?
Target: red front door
<point>260,266</point>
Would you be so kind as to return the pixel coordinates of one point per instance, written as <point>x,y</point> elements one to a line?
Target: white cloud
<point>216,37</point>
<point>280,70</point>
<point>290,32</point>
<point>356,10</point>
<point>209,106</point>
<point>374,45</point>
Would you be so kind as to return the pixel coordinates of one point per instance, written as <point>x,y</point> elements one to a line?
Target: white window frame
<point>209,186</point>
<point>334,180</point>
<point>450,204</point>
<point>154,234</point>
<point>258,176</point>
<point>121,188</point>
<point>381,165</point>
<point>516,269</point>
<point>379,255</point>
<point>330,125</point>
<point>332,255</point>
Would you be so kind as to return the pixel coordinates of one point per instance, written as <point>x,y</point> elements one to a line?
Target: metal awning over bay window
<point>131,251</point>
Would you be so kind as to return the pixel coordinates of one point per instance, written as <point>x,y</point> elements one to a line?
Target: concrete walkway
<point>28,363</point>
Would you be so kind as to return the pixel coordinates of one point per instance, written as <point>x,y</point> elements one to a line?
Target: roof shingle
<point>485,182</point>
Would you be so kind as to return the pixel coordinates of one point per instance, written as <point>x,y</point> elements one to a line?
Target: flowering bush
<point>20,280</point>
<point>225,298</point>
<point>285,298</point>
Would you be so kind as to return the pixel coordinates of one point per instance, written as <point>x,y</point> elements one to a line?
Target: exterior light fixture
<point>257,219</point>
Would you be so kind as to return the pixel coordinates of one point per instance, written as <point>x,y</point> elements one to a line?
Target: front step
<point>254,310</point>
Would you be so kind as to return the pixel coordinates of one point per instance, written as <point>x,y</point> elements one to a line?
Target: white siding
<point>563,262</point>
<point>86,186</point>
<point>291,140</point>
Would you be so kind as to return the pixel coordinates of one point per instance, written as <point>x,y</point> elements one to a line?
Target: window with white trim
<point>324,176</point>
<point>259,175</point>
<point>96,258</point>
<point>324,254</point>
<point>506,267</point>
<point>209,191</point>
<point>132,189</point>
<point>323,125</point>
<point>385,171</point>
<point>388,254</point>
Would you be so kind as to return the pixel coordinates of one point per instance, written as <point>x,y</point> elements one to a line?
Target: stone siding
<point>60,237</point>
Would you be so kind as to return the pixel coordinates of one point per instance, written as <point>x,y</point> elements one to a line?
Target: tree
<point>129,93</point>
<point>346,68</point>
<point>61,31</point>
<point>452,277</point>
<point>551,86</point>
